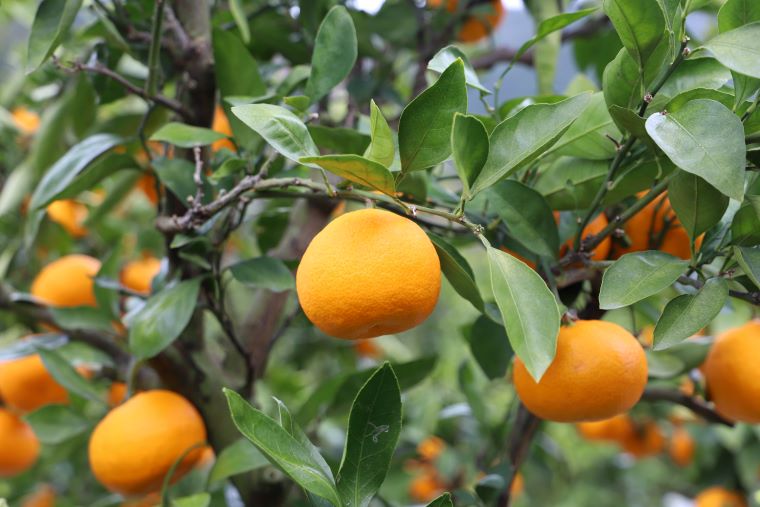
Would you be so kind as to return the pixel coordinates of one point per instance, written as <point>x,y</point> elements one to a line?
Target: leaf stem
<point>151,84</point>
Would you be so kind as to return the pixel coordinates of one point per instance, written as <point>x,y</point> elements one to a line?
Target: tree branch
<point>697,406</point>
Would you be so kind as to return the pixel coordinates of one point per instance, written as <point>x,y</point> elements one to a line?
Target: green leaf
<point>521,138</point>
<point>622,84</point>
<point>374,426</point>
<point>551,25</point>
<point>638,275</point>
<point>82,317</point>
<point>686,314</point>
<point>51,24</point>
<point>54,424</point>
<point>292,427</point>
<point>527,215</point>
<point>67,376</point>
<point>237,458</point>
<point>358,169</point>
<point>424,132</point>
<point>528,309</point>
<point>471,386</point>
<point>382,148</point>
<point>283,130</point>
<point>458,272</point>
<point>745,227</point>
<point>571,183</point>
<point>238,14</point>
<point>737,49</point>
<point>448,55</point>
<point>733,14</point>
<point>749,260</point>
<point>706,139</point>
<point>264,273</point>
<point>335,51</point>
<point>698,205</point>
<point>339,139</point>
<point>442,501</point>
<point>589,136</point>
<point>281,449</point>
<point>100,169</point>
<point>469,144</point>
<point>640,25</point>
<point>196,500</point>
<point>186,136</point>
<point>162,319</point>
<point>177,175</point>
<point>664,365</point>
<point>683,98</point>
<point>73,164</point>
<point>490,347</point>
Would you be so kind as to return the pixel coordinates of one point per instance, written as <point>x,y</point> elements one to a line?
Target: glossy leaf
<point>264,273</point>
<point>51,24</point>
<point>358,169</point>
<point>469,144</point>
<point>340,139</point>
<point>733,14</point>
<point>528,309</point>
<point>686,314</point>
<point>335,51</point>
<point>527,215</point>
<point>382,148</point>
<point>520,139</point>
<point>82,317</point>
<point>490,347</point>
<point>749,260</point>
<point>186,136</point>
<point>448,55</point>
<point>737,49</point>
<point>238,14</point>
<point>622,83</point>
<point>424,132</point>
<point>640,25</point>
<point>458,271</point>
<point>77,160</point>
<point>67,376</point>
<point>589,136</point>
<point>374,426</point>
<point>698,205</point>
<point>442,501</point>
<point>163,318</point>
<point>196,500</point>
<point>283,130</point>
<point>571,183</point>
<point>281,448</point>
<point>638,275</point>
<point>55,424</point>
<point>237,458</point>
<point>706,139</point>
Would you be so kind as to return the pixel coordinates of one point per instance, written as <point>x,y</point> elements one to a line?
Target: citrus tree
<point>282,252</point>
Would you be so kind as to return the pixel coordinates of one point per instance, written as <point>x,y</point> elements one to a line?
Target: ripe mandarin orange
<point>426,486</point>
<point>67,281</point>
<point>26,121</point>
<point>19,447</point>
<point>614,429</point>
<point>732,375</point>
<point>133,447</point>
<point>70,215</point>
<point>26,385</point>
<point>647,440</point>
<point>681,448</point>
<point>221,124</point>
<point>43,496</point>
<point>138,275</point>
<point>369,273</point>
<point>599,371</point>
<point>367,348</point>
<point>475,26</point>
<point>719,497</point>
<point>147,185</point>
<point>518,485</point>
<point>645,231</point>
<point>431,448</point>
<point>595,226</point>
<point>116,393</point>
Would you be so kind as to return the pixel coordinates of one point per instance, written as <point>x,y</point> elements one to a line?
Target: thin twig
<point>695,405</point>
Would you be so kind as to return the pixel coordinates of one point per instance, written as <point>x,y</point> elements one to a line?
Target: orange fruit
<point>681,448</point>
<point>147,185</point>
<point>367,348</point>
<point>138,275</point>
<point>70,215</point>
<point>426,486</point>
<point>136,443</point>
<point>116,393</point>
<point>222,125</point>
<point>26,121</point>
<point>615,429</point>
<point>26,385</point>
<point>19,447</point>
<point>67,281</point>
<point>518,486</point>
<point>369,273</point>
<point>151,500</point>
<point>645,228</point>
<point>430,448</point>
<point>731,373</point>
<point>646,441</point>
<point>595,226</point>
<point>599,371</point>
<point>719,497</point>
<point>475,26</point>
<point>208,456</point>
<point>43,496</point>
